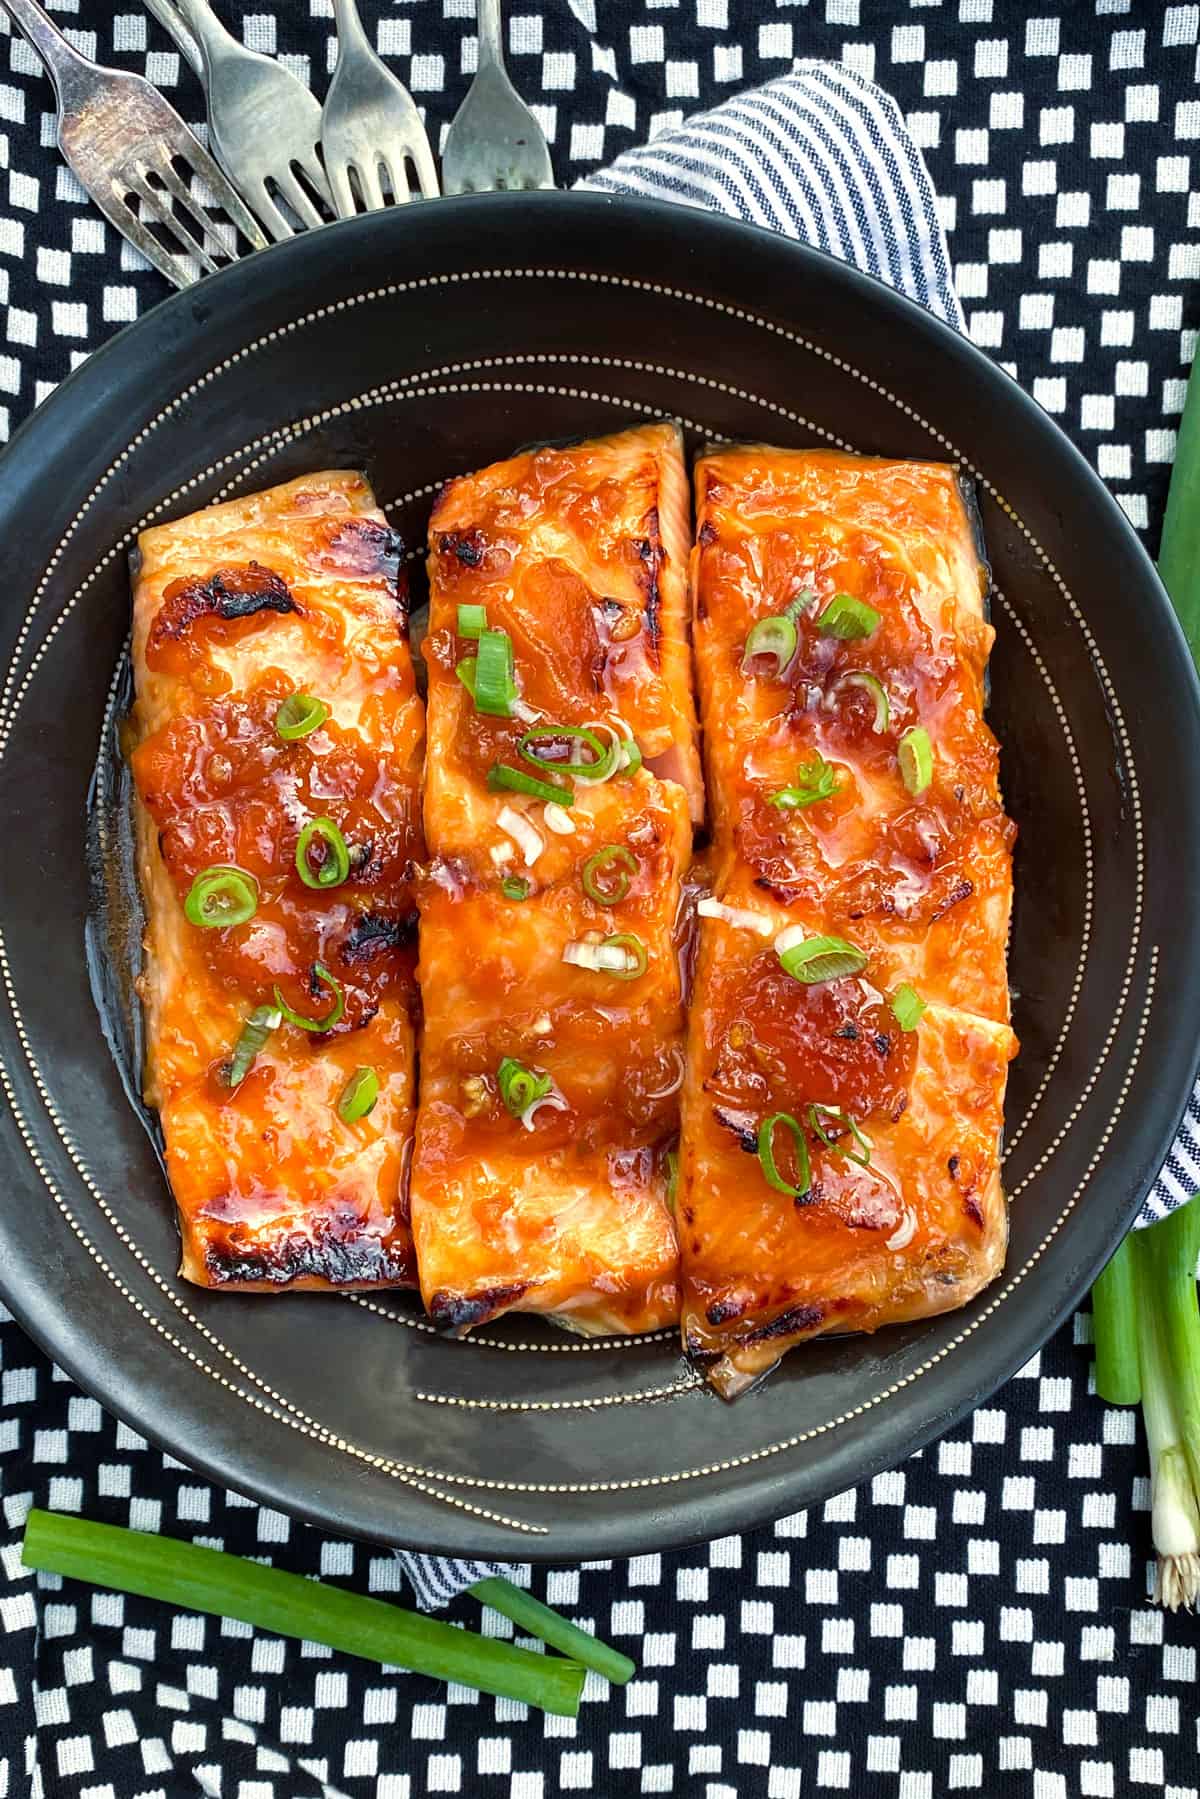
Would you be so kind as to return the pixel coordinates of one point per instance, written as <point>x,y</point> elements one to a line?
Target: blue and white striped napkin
<point>823,155</point>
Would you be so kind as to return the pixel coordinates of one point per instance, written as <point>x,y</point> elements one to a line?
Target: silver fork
<point>263,124</point>
<point>494,140</point>
<point>127,144</point>
<point>370,121</point>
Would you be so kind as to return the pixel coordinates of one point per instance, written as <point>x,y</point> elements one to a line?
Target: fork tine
<point>221,188</point>
<point>368,175</point>
<point>397,174</point>
<point>426,167</point>
<point>313,171</point>
<point>124,220</point>
<point>273,220</point>
<point>194,212</point>
<point>344,202</point>
<point>154,202</point>
<point>296,195</point>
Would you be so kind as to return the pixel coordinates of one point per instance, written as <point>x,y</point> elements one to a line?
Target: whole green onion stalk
<point>1146,1324</point>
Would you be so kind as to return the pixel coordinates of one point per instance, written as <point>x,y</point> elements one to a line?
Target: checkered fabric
<point>974,1618</point>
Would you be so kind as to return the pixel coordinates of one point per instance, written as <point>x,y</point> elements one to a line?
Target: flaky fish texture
<point>579,555</point>
<point>817,834</point>
<point>294,591</point>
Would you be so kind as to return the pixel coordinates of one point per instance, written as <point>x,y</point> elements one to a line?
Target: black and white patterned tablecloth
<point>974,1621</point>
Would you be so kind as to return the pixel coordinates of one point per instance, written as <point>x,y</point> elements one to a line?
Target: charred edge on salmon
<point>735,1122</point>
<point>651,556</point>
<point>453,1312</point>
<point>341,1258</point>
<point>373,934</point>
<point>789,1323</point>
<point>961,890</point>
<point>228,593</point>
<point>468,546</point>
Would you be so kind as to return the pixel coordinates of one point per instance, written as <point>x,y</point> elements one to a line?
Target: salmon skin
<point>552,1046</point>
<point>840,1154</point>
<point>296,591</point>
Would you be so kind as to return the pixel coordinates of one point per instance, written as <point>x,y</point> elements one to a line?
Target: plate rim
<point>659,1526</point>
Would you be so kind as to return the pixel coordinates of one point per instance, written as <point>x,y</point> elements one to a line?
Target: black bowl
<point>425,342</point>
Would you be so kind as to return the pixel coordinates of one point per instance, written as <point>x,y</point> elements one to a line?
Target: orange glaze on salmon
<point>296,590</point>
<point>920,882</point>
<point>580,555</point>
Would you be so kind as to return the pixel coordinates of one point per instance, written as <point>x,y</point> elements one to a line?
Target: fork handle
<point>65,65</point>
<point>168,16</point>
<point>199,18</point>
<point>488,30</point>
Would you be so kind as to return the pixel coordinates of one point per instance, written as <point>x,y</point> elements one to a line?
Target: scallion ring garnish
<point>915,756</point>
<point>221,896</point>
<point>815,781</point>
<point>329,866</point>
<point>257,1028</point>
<point>519,1086</point>
<point>633,947</point>
<point>609,874</point>
<point>515,887</point>
<point>495,686</point>
<point>816,959</point>
<point>472,620</point>
<point>771,638</point>
<point>766,1155</point>
<point>836,1113</point>
<point>907,1007</point>
<point>604,756</point>
<point>299,716</point>
<point>501,778</point>
<point>860,677</point>
<point>358,1095</point>
<point>848,618</point>
<point>795,609</point>
<point>316,1025</point>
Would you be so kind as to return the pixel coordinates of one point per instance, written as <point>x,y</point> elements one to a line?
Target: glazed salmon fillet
<point>849,1034</point>
<point>276,724</point>
<point>552,1046</point>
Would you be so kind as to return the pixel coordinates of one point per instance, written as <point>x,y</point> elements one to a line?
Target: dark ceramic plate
<point>419,344</point>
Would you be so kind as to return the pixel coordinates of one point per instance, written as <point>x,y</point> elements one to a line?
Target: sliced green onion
<point>1114,1329</point>
<point>495,687</point>
<point>766,1155</point>
<point>257,1028</point>
<point>538,1619</point>
<point>332,1017</point>
<point>358,1095</point>
<point>289,1605</point>
<point>915,756</point>
<point>334,866</point>
<point>501,778</point>
<point>815,781</point>
<point>300,715</point>
<point>816,959</point>
<point>515,887</point>
<point>519,1086</point>
<point>472,620</point>
<point>848,618</point>
<point>466,674</point>
<point>632,946</point>
<point>773,638</point>
<point>604,754</point>
<point>221,896</point>
<point>631,757</point>
<point>907,1007</point>
<point>795,609</point>
<point>609,874</point>
<point>863,1155</point>
<point>871,684</point>
<point>672,1176</point>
